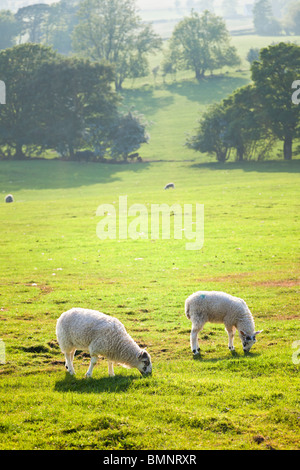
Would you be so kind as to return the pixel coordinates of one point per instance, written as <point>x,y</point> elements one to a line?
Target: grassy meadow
<point>52,260</point>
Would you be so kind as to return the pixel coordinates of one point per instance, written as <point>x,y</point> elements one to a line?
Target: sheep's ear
<point>257,332</point>
<point>242,333</point>
<point>142,354</point>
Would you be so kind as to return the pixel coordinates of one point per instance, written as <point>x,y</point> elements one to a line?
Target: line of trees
<point>112,31</point>
<point>251,120</point>
<point>40,23</point>
<point>65,104</point>
<point>101,30</point>
<point>272,17</point>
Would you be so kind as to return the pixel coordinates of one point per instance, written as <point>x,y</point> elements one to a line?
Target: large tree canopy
<point>273,74</point>
<point>255,116</point>
<point>110,30</point>
<point>201,43</point>
<point>9,28</point>
<point>18,123</point>
<point>52,101</point>
<point>31,20</point>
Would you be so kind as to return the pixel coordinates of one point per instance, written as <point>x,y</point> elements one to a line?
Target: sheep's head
<point>144,363</point>
<point>248,340</point>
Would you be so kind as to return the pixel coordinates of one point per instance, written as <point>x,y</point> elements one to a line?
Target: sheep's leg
<point>230,332</point>
<point>92,364</point>
<point>194,338</point>
<point>111,369</point>
<point>69,361</point>
<point>72,355</point>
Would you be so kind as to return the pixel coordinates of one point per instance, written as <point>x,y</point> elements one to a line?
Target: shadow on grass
<point>145,101</point>
<point>116,384</point>
<point>267,166</point>
<point>208,90</point>
<point>58,174</point>
<point>234,355</point>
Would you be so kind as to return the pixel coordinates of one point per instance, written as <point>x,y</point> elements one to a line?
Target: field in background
<point>52,260</point>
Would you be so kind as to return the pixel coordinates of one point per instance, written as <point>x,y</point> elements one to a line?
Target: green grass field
<point>52,260</point>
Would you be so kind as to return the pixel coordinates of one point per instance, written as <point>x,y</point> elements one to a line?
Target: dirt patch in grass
<point>253,281</point>
<point>278,283</point>
<point>46,289</point>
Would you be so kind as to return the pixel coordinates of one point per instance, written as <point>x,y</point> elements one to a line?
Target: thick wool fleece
<point>98,333</point>
<point>219,307</point>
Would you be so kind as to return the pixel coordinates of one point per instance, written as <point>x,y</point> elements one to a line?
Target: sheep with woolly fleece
<point>9,198</point>
<point>100,334</point>
<point>219,307</point>
<point>169,185</point>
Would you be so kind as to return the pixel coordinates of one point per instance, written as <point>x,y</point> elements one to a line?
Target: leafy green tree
<point>9,29</point>
<point>51,101</point>
<point>252,55</point>
<point>263,19</point>
<point>31,20</point>
<point>234,124</point>
<point>170,63</point>
<point>19,124</point>
<point>60,22</point>
<point>211,135</point>
<point>245,130</point>
<point>292,18</point>
<point>273,75</point>
<point>129,132</point>
<point>110,30</point>
<point>252,118</point>
<point>201,43</point>
<point>124,135</point>
<point>79,96</point>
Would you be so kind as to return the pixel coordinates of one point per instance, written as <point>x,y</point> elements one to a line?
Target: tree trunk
<point>118,84</point>
<point>222,155</point>
<point>240,154</point>
<point>19,155</point>
<point>287,147</point>
<point>199,73</point>
<point>71,151</point>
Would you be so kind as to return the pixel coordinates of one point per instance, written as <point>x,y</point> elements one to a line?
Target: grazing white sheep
<point>9,198</point>
<point>100,334</point>
<point>170,185</point>
<point>219,307</point>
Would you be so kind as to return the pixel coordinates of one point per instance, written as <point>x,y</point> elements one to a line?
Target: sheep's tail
<point>187,309</point>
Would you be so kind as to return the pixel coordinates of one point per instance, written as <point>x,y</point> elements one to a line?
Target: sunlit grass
<point>51,260</point>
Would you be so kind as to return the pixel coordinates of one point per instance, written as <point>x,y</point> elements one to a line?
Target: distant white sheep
<point>219,307</point>
<point>9,198</point>
<point>100,334</point>
<point>170,185</point>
